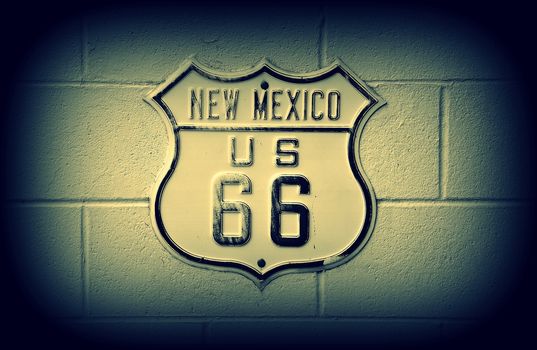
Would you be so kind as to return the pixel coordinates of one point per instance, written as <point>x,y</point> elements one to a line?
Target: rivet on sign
<point>261,263</point>
<point>264,85</point>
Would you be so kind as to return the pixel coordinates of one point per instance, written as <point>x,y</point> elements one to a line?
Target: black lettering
<point>290,156</point>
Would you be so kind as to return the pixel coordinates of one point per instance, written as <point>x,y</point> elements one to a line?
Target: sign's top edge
<point>264,65</point>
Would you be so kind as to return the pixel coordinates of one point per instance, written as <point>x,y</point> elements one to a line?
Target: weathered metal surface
<point>263,176</point>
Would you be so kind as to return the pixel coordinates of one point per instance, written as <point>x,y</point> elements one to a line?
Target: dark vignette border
<point>511,25</point>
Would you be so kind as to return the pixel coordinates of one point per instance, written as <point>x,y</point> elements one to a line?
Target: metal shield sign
<point>263,176</point>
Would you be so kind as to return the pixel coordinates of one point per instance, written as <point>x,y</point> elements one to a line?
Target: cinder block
<point>399,146</point>
<point>148,45</point>
<point>85,142</point>
<point>131,274</point>
<point>487,149</point>
<point>46,251</point>
<point>393,44</point>
<point>443,262</point>
<point>322,331</point>
<point>55,54</point>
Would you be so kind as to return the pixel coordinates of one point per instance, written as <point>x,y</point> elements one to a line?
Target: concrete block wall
<point>443,156</point>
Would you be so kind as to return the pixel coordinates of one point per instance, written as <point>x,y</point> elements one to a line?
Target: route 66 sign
<point>263,176</point>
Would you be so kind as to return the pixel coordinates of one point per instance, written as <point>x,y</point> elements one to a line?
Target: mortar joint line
<point>84,260</point>
<point>322,45</point>
<point>209,320</point>
<point>84,48</point>
<point>320,278</point>
<point>142,201</point>
<point>322,58</point>
<point>87,84</point>
<point>440,141</point>
<point>457,202</point>
<point>443,142</point>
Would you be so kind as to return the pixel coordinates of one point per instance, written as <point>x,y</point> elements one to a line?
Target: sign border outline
<point>154,98</point>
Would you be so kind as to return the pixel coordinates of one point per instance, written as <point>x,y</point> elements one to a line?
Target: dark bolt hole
<point>264,86</point>
<point>261,263</point>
